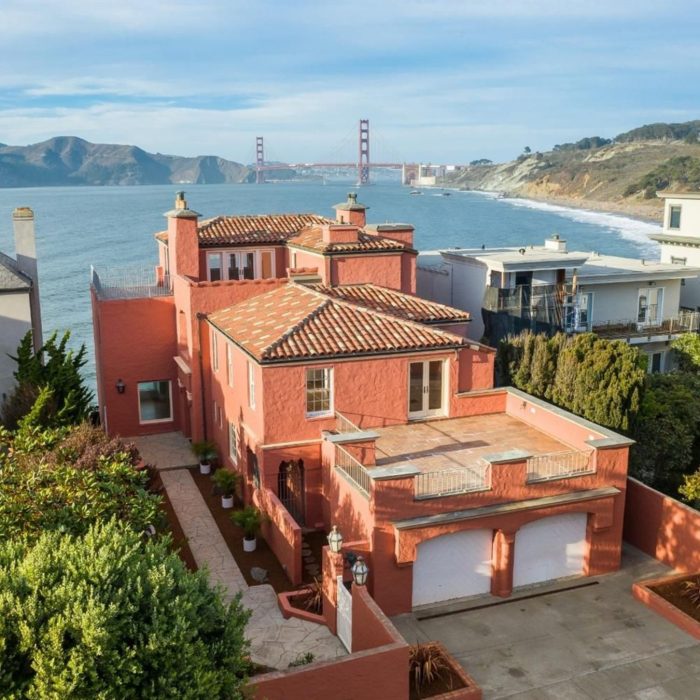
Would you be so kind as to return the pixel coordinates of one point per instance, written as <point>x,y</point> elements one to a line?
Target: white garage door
<point>452,566</point>
<point>550,548</point>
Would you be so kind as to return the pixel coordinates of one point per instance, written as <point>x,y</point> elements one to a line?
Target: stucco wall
<point>620,302</point>
<point>282,533</point>
<point>384,270</point>
<point>134,342</point>
<point>15,321</point>
<point>662,527</point>
<point>690,216</point>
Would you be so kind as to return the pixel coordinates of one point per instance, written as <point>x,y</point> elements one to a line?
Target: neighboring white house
<point>19,296</point>
<point>680,239</point>
<point>547,288</point>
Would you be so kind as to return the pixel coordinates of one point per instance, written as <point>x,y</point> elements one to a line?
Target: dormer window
<point>674,217</point>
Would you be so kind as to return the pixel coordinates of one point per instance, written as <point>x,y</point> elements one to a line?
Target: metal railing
<point>450,482</point>
<point>130,283</point>
<point>559,465</point>
<point>345,425</point>
<point>354,470</point>
<point>686,321</point>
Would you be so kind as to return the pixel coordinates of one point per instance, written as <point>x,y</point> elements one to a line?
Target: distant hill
<point>621,174</point>
<point>69,160</point>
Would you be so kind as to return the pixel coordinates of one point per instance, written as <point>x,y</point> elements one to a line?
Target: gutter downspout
<point>201,317</point>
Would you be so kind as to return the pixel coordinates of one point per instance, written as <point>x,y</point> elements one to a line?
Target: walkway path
<point>274,641</point>
<point>165,451</point>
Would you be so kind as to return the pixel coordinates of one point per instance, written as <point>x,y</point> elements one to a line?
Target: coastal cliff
<point>619,176</point>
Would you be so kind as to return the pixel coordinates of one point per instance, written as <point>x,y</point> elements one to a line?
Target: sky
<point>442,81</point>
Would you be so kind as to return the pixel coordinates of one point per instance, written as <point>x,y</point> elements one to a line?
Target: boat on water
<point>415,192</point>
<point>447,194</point>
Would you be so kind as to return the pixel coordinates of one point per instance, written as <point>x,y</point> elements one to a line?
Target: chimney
<point>183,243</point>
<point>25,252</point>
<point>351,212</point>
<point>556,244</point>
<point>339,233</point>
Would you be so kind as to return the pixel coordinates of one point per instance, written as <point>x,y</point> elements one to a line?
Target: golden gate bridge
<point>363,164</point>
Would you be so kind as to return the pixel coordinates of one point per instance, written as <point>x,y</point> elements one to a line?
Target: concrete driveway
<point>592,642</point>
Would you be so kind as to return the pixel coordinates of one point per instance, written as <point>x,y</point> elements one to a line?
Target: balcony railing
<point>130,283</point>
<point>355,471</point>
<point>344,424</point>
<point>559,465</point>
<point>686,321</point>
<point>451,482</point>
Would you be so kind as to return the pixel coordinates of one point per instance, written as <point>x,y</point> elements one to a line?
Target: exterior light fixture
<point>120,386</point>
<point>359,571</point>
<point>335,540</point>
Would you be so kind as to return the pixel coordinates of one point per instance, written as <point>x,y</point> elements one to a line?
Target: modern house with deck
<point>298,345</point>
<point>548,288</point>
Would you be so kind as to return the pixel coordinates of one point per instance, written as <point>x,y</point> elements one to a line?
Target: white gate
<point>344,615</point>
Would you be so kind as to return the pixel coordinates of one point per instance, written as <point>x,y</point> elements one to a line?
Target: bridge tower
<point>363,159</point>
<point>259,161</point>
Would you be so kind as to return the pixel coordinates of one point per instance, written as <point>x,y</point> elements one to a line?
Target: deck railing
<point>130,283</point>
<point>560,465</point>
<point>450,482</point>
<point>686,321</point>
<point>345,425</point>
<point>355,471</point>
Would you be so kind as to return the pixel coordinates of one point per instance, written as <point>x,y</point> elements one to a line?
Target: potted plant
<point>225,482</point>
<point>250,520</point>
<point>205,452</point>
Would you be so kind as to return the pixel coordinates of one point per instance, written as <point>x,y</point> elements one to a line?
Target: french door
<point>426,396</point>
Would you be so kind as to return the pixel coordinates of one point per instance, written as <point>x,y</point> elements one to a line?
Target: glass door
<point>425,389</point>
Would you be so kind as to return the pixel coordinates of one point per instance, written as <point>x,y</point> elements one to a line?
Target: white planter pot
<point>204,468</point>
<point>249,545</point>
<point>227,501</point>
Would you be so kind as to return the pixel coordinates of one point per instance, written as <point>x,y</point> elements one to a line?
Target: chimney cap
<point>181,211</point>
<point>351,204</point>
<point>23,213</point>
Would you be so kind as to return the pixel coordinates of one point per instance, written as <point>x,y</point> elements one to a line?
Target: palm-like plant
<point>427,663</point>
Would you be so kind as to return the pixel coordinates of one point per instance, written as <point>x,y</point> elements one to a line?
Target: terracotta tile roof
<point>312,238</point>
<point>251,230</point>
<point>391,301</point>
<point>295,322</point>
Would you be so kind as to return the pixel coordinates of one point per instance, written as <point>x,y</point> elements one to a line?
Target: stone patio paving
<point>165,451</point>
<point>274,641</point>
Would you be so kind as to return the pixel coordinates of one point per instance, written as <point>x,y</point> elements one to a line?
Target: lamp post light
<point>120,386</point>
<point>359,571</point>
<point>335,540</point>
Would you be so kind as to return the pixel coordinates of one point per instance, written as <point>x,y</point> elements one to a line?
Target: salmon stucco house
<point>298,345</point>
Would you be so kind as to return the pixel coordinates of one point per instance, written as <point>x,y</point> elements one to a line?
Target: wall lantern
<point>120,386</point>
<point>359,571</point>
<point>335,540</point>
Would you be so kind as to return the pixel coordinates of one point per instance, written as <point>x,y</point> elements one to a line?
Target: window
<point>233,442</point>
<point>214,266</point>
<point>678,261</point>
<point>155,402</point>
<point>229,364</point>
<point>251,385</point>
<point>214,351</point>
<point>241,266</point>
<point>656,362</point>
<point>650,305</point>
<point>319,391</point>
<point>674,217</point>
<point>294,260</point>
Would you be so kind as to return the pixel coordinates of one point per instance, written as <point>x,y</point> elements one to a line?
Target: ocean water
<point>113,227</point>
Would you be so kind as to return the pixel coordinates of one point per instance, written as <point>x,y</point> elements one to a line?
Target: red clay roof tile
<point>295,322</point>
<point>312,238</point>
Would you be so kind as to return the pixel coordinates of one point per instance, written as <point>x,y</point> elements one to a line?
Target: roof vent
<point>522,251</point>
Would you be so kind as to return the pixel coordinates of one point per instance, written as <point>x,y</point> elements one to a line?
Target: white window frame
<point>251,385</point>
<point>210,256</point>
<point>660,292</point>
<point>328,377</point>
<point>214,351</point>
<point>169,419</point>
<point>229,364</point>
<point>233,438</point>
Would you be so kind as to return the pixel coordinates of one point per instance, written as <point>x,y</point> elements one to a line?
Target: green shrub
<point>108,615</point>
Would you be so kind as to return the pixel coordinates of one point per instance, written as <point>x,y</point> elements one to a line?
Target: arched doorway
<point>290,488</point>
